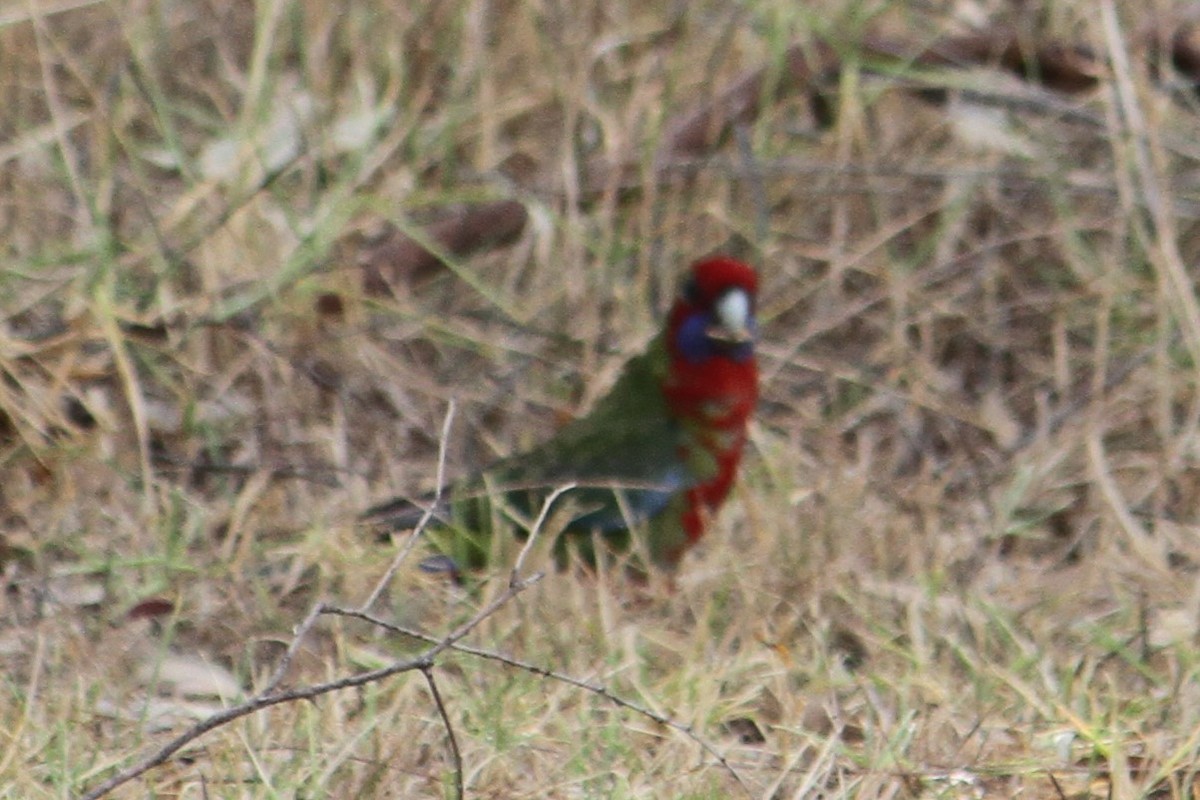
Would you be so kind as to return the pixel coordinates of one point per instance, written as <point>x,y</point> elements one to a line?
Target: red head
<point>713,318</point>
<point>713,276</point>
<point>712,385</point>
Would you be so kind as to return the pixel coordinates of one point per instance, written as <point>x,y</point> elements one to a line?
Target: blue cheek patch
<point>696,347</point>
<point>692,339</point>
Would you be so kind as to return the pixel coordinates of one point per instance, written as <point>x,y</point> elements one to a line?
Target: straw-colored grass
<point>961,561</point>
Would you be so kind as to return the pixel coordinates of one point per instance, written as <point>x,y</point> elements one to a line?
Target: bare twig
<point>266,699</point>
<point>394,567</point>
<point>454,751</point>
<point>687,731</point>
<point>538,524</point>
<point>289,655</point>
<point>1057,787</point>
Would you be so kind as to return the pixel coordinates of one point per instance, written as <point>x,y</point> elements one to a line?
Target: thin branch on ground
<point>298,636</point>
<point>266,699</point>
<point>455,753</point>
<point>538,524</point>
<point>604,692</point>
<point>416,535</point>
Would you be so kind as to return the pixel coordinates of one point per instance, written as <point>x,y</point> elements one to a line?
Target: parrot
<point>648,467</point>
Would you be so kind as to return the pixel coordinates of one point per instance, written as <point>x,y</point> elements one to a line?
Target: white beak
<point>733,317</point>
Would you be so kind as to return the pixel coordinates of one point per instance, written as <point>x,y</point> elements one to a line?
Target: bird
<point>648,467</point>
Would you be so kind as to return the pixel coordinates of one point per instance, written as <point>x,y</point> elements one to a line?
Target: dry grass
<point>962,560</point>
